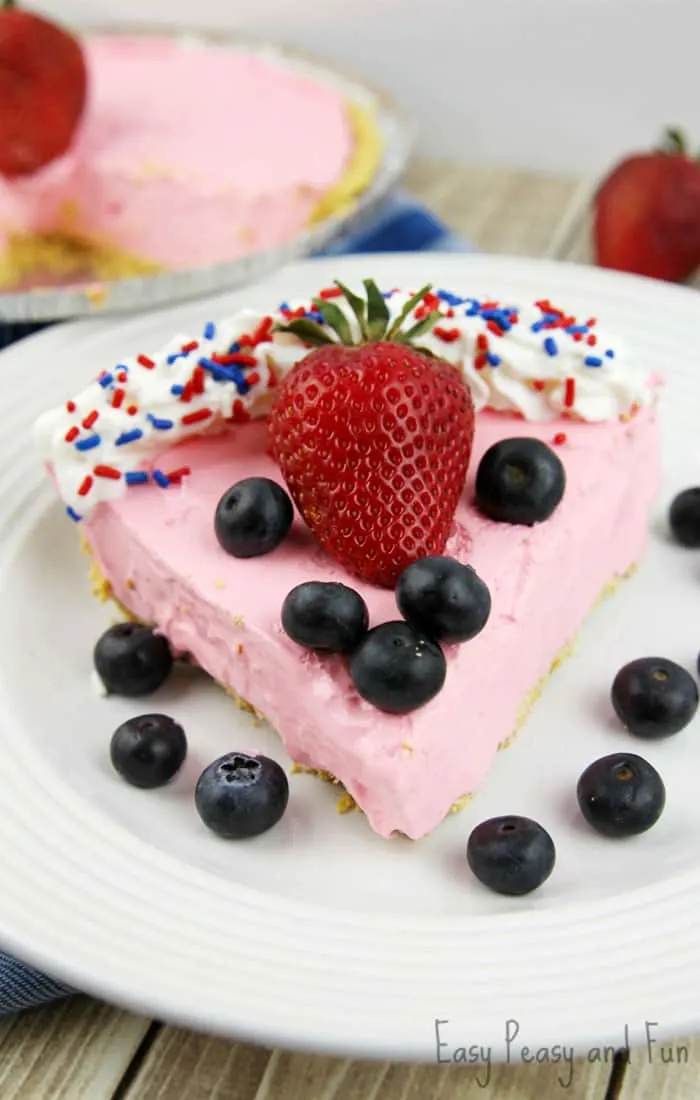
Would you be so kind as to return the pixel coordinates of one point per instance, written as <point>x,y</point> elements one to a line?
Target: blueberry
<point>325,615</point>
<point>654,697</point>
<point>621,795</point>
<point>684,518</point>
<point>253,517</point>
<point>148,751</point>
<point>511,855</point>
<point>519,481</point>
<point>444,599</point>
<point>132,660</point>
<point>240,795</point>
<point>397,669</point>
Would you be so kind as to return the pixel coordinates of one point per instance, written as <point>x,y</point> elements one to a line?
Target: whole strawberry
<point>43,86</point>
<point>373,440</point>
<point>647,214</point>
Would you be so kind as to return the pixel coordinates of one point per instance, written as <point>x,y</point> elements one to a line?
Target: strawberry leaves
<point>372,316</point>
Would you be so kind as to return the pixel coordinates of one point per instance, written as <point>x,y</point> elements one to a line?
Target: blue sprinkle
<point>106,380</point>
<point>592,361</point>
<point>387,294</point>
<point>175,356</point>
<point>313,315</point>
<point>136,477</point>
<point>610,353</point>
<point>176,390</point>
<point>209,330</point>
<point>128,437</point>
<point>73,515</point>
<point>161,479</point>
<point>236,347</point>
<point>572,329</point>
<point>160,424</point>
<point>453,300</point>
<point>550,346</point>
<point>474,308</point>
<point>538,326</point>
<point>492,360</point>
<point>283,306</point>
<point>88,443</point>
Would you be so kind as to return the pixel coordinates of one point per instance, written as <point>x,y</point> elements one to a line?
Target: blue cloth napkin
<point>403,225</point>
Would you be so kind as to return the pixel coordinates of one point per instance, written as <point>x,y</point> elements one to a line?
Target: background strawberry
<point>647,214</point>
<point>43,86</point>
<point>373,440</point>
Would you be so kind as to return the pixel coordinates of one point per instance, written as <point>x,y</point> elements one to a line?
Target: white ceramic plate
<point>319,934</point>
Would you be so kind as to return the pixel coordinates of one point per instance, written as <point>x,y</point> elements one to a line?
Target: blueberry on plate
<point>654,697</point>
<point>325,615</point>
<point>148,751</point>
<point>397,668</point>
<point>621,795</point>
<point>444,599</point>
<point>132,660</point>
<point>519,481</point>
<point>511,855</point>
<point>241,795</point>
<point>684,518</point>
<point>253,517</point>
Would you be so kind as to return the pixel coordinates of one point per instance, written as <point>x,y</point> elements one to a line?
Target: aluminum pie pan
<point>110,296</point>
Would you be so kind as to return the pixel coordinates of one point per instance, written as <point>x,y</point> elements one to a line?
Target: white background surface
<point>566,85</point>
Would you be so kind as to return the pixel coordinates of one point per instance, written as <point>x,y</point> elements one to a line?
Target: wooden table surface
<point>85,1050</point>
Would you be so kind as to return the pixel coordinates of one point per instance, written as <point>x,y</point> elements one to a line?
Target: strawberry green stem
<point>674,142</point>
<point>7,4</point>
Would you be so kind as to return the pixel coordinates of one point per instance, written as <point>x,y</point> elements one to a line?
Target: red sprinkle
<point>71,434</point>
<point>482,342</point>
<point>494,328</point>
<point>191,346</point>
<point>122,376</point>
<point>107,471</point>
<point>132,410</point>
<point>240,358</point>
<point>448,335</point>
<point>421,312</point>
<point>239,412</point>
<point>578,337</point>
<point>591,322</point>
<point>262,332</point>
<point>330,292</point>
<point>431,301</point>
<point>117,398</point>
<point>85,486</point>
<point>253,378</point>
<point>187,392</point>
<point>198,379</point>
<point>569,393</point>
<point>177,475</point>
<point>145,362</point>
<point>450,313</point>
<point>539,385</point>
<point>480,362</point>
<point>70,406</point>
<point>195,417</point>
<point>90,419</point>
<point>592,340</point>
<point>288,314</point>
<point>559,439</point>
<point>490,305</point>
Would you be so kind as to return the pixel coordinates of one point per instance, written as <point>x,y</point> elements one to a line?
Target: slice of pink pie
<point>142,471</point>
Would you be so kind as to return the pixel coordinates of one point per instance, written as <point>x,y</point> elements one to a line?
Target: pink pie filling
<point>187,155</point>
<point>158,550</point>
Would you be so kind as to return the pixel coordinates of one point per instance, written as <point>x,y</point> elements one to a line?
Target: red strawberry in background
<point>373,440</point>
<point>43,86</point>
<point>647,214</point>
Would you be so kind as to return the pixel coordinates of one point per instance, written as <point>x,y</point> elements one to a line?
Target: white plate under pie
<point>321,935</point>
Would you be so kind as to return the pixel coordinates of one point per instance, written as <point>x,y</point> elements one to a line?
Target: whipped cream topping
<point>536,361</point>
